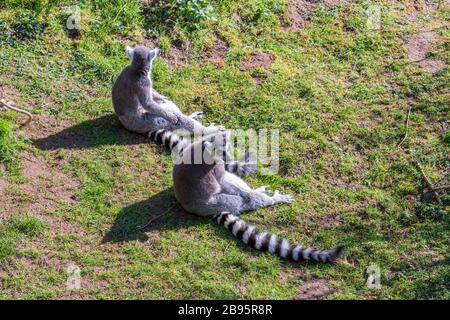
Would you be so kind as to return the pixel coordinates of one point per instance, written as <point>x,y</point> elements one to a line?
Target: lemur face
<point>141,56</point>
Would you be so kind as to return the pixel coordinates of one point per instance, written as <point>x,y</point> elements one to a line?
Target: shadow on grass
<point>105,130</point>
<point>162,207</point>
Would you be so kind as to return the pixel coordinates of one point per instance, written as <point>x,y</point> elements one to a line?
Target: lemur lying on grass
<point>207,189</point>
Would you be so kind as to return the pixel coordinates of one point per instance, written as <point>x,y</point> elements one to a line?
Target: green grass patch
<point>338,93</point>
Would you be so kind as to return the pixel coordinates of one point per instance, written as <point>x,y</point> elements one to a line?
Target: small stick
<point>155,218</point>
<point>442,187</point>
<point>429,183</point>
<point>406,127</point>
<point>9,106</point>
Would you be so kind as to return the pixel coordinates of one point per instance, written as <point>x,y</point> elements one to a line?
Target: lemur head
<point>141,57</point>
<point>218,145</point>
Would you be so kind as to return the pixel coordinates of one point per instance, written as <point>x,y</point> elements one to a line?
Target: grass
<point>7,142</point>
<point>338,93</point>
<point>13,230</point>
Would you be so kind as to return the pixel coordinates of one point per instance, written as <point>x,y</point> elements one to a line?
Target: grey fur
<point>177,144</point>
<point>140,108</point>
<point>207,189</point>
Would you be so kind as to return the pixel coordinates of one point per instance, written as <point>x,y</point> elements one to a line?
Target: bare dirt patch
<point>299,12</point>
<point>3,185</point>
<point>44,125</point>
<point>315,289</point>
<point>216,54</point>
<point>45,189</point>
<point>50,133</point>
<point>9,93</point>
<point>178,55</point>
<point>419,47</point>
<point>257,59</point>
<point>421,44</point>
<point>47,186</point>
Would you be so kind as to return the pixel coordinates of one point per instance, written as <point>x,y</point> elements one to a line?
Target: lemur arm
<point>157,110</point>
<point>157,96</point>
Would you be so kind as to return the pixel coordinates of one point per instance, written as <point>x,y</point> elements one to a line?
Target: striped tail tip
<point>269,242</point>
<point>167,138</point>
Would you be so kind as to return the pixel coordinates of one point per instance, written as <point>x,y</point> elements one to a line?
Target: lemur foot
<point>282,198</point>
<point>263,189</point>
<point>198,115</point>
<point>212,128</point>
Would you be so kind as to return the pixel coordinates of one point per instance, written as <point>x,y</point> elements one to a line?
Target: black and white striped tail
<point>168,138</point>
<point>269,242</point>
<point>243,167</point>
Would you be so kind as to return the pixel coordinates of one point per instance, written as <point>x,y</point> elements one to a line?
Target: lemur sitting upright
<point>143,110</point>
<point>206,189</point>
<point>140,108</point>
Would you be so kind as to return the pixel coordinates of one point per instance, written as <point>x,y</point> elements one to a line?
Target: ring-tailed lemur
<point>177,143</point>
<point>140,108</point>
<point>206,189</point>
<point>143,110</point>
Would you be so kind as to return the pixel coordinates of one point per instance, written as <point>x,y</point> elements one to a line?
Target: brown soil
<point>9,93</point>
<point>421,44</point>
<point>258,80</point>
<point>257,59</point>
<point>216,54</point>
<point>315,289</point>
<point>46,185</point>
<point>45,189</point>
<point>50,134</point>
<point>299,11</point>
<point>419,47</point>
<point>47,180</point>
<point>3,185</point>
<point>178,55</point>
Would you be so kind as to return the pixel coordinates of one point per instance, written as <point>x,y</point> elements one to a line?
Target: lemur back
<point>139,107</point>
<point>205,188</point>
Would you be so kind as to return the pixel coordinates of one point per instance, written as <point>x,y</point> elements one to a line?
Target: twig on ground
<point>442,187</point>
<point>406,127</point>
<point>9,106</point>
<point>430,185</point>
<point>155,218</point>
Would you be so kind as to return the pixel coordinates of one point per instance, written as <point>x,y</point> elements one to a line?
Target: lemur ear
<point>129,50</point>
<point>152,55</point>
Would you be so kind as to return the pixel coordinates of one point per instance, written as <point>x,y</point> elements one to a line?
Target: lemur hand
<point>212,128</point>
<point>282,198</point>
<point>198,115</point>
